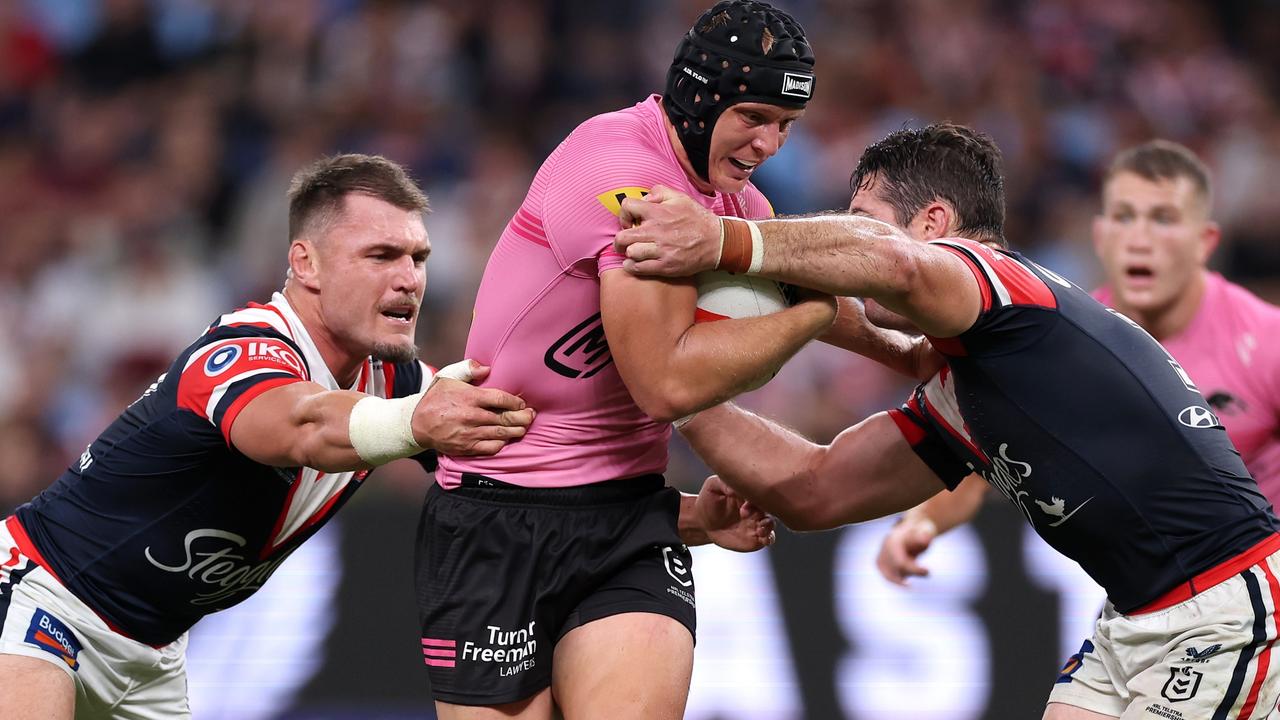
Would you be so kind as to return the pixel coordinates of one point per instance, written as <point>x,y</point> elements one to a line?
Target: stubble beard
<point>395,352</point>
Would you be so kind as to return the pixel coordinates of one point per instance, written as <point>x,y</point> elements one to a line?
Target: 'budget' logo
<point>49,634</point>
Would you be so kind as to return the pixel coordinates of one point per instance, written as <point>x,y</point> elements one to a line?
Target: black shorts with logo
<point>503,572</point>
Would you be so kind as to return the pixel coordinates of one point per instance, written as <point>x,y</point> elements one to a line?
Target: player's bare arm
<point>906,353</point>
<point>850,255</point>
<point>915,531</point>
<point>302,424</point>
<point>719,515</point>
<point>673,366</point>
<point>867,472</point>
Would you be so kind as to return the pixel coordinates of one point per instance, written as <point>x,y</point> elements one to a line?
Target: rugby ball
<point>723,295</point>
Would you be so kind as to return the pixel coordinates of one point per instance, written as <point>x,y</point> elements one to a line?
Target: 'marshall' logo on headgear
<point>797,85</point>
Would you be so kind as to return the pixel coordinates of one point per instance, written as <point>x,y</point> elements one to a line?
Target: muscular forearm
<point>907,354</point>
<point>766,463</point>
<point>848,255</point>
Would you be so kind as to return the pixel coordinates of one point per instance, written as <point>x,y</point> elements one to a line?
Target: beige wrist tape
<point>382,430</point>
<point>741,246</point>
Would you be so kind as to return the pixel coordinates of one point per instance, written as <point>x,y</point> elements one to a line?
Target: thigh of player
<point>633,665</point>
<point>59,660</point>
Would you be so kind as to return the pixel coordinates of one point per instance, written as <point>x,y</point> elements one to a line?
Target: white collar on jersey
<point>320,372</point>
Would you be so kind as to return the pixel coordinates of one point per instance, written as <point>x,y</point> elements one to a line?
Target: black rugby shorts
<point>504,572</point>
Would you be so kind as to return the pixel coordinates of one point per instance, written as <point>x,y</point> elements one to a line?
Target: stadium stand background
<point>145,148</point>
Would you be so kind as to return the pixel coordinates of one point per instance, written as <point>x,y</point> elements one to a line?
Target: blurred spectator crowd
<point>146,146</point>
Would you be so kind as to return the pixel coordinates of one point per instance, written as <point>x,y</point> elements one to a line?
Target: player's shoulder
<point>624,146</point>
<point>1243,301</point>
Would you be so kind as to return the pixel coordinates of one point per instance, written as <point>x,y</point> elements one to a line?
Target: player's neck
<point>344,366</point>
<point>677,147</point>
<point>1171,321</point>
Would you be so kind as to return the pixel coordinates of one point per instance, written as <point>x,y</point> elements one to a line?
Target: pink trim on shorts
<point>1214,575</point>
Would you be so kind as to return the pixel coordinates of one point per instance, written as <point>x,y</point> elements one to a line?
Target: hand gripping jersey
<point>162,521</point>
<point>1090,428</point>
<point>1229,349</point>
<point>537,314</point>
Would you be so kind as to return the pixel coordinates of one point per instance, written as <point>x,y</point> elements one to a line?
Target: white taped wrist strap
<point>381,430</point>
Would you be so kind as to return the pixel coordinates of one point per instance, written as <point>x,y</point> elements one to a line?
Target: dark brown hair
<point>316,191</point>
<point>942,161</point>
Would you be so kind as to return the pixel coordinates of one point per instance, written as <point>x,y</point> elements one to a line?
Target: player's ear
<point>1210,236</point>
<point>937,220</point>
<point>304,264</point>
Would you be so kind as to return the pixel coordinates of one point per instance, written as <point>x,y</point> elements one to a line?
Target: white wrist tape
<point>460,370</point>
<point>757,249</point>
<point>382,430</point>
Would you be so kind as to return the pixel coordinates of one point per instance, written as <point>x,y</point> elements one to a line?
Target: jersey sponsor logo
<point>1198,417</point>
<point>797,85</point>
<point>221,359</point>
<point>1202,656</point>
<point>86,459</point>
<point>1182,684</point>
<point>50,634</point>
<point>1007,475</point>
<point>1073,664</point>
<point>612,200</point>
<point>210,557</point>
<point>580,353</point>
<point>515,651</point>
<point>276,352</point>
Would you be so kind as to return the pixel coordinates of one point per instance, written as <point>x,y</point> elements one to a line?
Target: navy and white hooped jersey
<point>162,521</point>
<point>1084,422</point>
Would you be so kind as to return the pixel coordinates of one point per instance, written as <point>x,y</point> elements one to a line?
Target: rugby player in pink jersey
<point>1153,238</point>
<point>556,572</point>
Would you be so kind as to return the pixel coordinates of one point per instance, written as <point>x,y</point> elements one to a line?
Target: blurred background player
<point>256,435</point>
<point>1154,235</point>
<point>595,608</point>
<point>1080,419</point>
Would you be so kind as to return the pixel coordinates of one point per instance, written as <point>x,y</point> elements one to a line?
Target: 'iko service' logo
<point>221,359</point>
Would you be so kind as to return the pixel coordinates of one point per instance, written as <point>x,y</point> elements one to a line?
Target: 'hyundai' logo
<point>1198,417</point>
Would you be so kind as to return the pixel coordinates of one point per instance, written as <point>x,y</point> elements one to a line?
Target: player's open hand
<point>730,521</point>
<point>902,547</point>
<point>457,418</point>
<point>667,233</point>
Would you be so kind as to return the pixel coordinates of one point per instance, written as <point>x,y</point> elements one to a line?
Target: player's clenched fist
<point>457,418</point>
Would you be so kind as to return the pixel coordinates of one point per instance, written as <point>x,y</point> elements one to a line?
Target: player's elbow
<point>668,401</point>
<point>804,505</point>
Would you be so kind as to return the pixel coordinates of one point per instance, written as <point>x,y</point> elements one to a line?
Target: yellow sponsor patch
<point>612,200</point>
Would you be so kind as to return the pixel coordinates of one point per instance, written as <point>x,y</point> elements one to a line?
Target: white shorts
<point>1210,657</point>
<point>115,677</point>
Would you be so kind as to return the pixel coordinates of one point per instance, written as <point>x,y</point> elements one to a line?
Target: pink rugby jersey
<point>1231,349</point>
<point>537,314</point>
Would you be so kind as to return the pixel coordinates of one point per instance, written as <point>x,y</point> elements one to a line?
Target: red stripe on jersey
<point>984,285</point>
<point>1264,659</point>
<point>956,433</point>
<point>913,433</point>
<point>701,316</point>
<point>26,547</point>
<point>276,310</point>
<point>389,379</point>
<point>233,412</point>
<point>228,361</point>
<point>1023,286</point>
